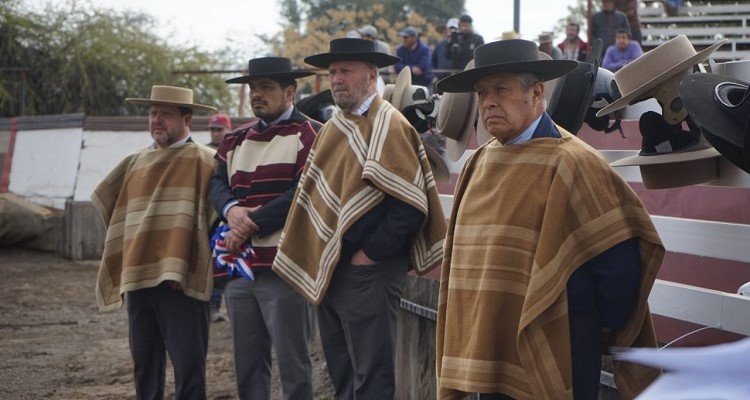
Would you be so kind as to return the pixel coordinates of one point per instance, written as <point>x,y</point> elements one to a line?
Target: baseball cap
<point>452,23</point>
<point>220,121</point>
<point>408,31</point>
<point>466,18</point>
<point>368,30</point>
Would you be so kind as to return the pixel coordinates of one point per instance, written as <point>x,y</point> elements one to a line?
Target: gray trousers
<point>357,320</point>
<point>163,320</point>
<point>263,313</point>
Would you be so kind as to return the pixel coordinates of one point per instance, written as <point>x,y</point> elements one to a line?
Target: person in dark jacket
<point>461,44</point>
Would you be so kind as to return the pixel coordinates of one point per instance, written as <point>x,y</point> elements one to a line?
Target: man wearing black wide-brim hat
<point>548,249</point>
<point>366,210</point>
<point>257,170</point>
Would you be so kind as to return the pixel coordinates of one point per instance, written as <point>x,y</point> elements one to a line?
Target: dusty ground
<point>55,343</point>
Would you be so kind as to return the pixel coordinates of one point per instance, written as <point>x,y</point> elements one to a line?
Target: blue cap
<point>408,31</point>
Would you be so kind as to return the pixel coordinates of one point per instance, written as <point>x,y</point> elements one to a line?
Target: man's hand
<point>416,71</point>
<point>175,285</point>
<point>234,241</point>
<point>360,258</point>
<point>239,221</point>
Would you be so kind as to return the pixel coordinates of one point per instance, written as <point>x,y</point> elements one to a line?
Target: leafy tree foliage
<point>296,12</point>
<point>298,43</point>
<point>82,59</point>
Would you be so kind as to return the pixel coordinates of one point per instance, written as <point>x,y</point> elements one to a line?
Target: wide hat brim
<point>310,105</point>
<point>403,80</point>
<point>270,75</point>
<point>505,56</point>
<point>150,102</point>
<point>324,60</point>
<point>729,138</point>
<point>455,120</point>
<point>667,73</point>
<point>574,92</point>
<point>696,152</point>
<point>439,168</point>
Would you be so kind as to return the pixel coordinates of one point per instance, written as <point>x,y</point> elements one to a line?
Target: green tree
<point>81,58</point>
<point>297,12</point>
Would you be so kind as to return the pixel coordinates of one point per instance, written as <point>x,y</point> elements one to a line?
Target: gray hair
<point>527,80</point>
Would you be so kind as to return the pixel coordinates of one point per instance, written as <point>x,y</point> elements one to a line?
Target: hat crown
<point>171,94</point>
<point>352,45</point>
<point>653,63</point>
<point>269,65</point>
<point>505,51</point>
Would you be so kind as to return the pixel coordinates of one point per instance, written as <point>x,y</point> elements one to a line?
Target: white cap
<point>452,23</point>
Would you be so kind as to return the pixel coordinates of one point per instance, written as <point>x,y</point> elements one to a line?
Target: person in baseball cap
<point>218,124</point>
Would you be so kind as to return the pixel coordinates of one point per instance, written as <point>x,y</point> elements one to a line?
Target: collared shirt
<point>284,116</point>
<point>526,135</point>
<point>179,143</point>
<point>365,105</point>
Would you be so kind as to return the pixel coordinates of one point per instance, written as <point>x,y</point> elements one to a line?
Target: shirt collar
<point>526,135</point>
<point>175,145</point>
<point>365,105</point>
<point>284,116</point>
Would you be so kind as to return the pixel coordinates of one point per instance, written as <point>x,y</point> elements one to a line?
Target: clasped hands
<point>241,227</point>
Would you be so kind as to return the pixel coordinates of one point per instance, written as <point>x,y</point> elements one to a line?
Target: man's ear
<point>188,118</point>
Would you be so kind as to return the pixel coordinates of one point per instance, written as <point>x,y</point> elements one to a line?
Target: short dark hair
<point>185,110</point>
<point>623,30</point>
<point>577,25</point>
<point>465,18</point>
<point>284,82</point>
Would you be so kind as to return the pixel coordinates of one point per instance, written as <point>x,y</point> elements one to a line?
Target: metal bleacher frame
<point>703,22</point>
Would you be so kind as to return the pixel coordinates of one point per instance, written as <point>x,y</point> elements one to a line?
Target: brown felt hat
<point>171,96</point>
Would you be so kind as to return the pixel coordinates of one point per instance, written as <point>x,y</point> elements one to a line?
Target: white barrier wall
<point>102,150</point>
<point>45,165</point>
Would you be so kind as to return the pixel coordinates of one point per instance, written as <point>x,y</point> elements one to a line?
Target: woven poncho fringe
<point>524,218</point>
<point>157,216</point>
<point>353,161</point>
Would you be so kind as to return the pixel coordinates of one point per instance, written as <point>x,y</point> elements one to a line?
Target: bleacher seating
<point>703,22</point>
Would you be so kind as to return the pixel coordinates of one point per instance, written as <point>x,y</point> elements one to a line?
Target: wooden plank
<point>722,240</point>
<point>671,32</point>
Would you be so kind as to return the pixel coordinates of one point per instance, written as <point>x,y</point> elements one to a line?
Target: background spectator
<point>440,60</point>
<point>573,48</point>
<point>415,55</point>
<point>630,9</point>
<point>622,52</point>
<point>462,43</point>
<point>545,45</point>
<point>606,22</point>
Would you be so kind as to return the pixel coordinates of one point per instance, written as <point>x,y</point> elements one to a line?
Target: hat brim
<point>403,80</point>
<point>699,152</point>
<point>309,104</point>
<point>277,75</point>
<point>624,101</point>
<point>464,81</point>
<point>573,94</point>
<point>697,94</point>
<point>149,102</point>
<point>381,60</point>
<point>439,169</point>
<point>729,139</point>
<point>455,119</point>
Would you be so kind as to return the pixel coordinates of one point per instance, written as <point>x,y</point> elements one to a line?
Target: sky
<point>215,23</point>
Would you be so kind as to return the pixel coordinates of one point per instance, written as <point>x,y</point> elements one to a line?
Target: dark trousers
<point>165,321</point>
<point>357,320</point>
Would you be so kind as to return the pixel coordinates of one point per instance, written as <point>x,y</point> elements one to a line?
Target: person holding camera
<point>461,44</point>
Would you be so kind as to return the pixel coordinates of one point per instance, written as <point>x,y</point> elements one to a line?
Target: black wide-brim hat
<point>513,55</point>
<point>720,106</point>
<point>270,67</point>
<point>351,49</point>
<point>574,92</point>
<point>312,105</point>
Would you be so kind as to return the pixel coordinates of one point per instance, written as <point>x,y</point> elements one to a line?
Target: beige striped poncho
<point>158,218</point>
<point>353,161</point>
<point>524,218</point>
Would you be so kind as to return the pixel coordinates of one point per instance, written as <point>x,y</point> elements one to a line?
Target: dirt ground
<point>56,344</point>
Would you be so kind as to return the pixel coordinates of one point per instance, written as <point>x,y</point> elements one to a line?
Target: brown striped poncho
<point>154,206</point>
<point>524,218</point>
<point>353,161</point>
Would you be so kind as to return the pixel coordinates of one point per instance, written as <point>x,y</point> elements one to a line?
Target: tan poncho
<point>353,161</point>
<point>154,206</point>
<point>524,218</point>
